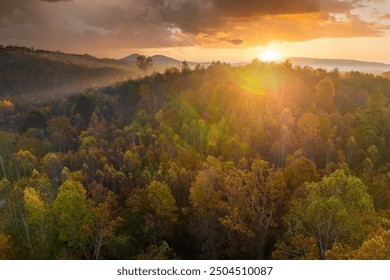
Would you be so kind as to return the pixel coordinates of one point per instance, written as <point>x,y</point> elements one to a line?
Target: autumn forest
<point>259,161</point>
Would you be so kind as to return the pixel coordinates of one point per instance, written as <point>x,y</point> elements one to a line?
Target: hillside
<point>259,161</point>
<point>159,59</point>
<point>26,71</point>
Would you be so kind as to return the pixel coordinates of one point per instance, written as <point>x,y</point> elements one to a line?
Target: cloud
<point>289,28</point>
<point>235,41</point>
<point>201,15</point>
<point>78,25</point>
<point>277,7</point>
<point>386,17</point>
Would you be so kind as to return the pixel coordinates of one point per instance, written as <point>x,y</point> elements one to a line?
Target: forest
<point>261,161</point>
<point>26,71</point>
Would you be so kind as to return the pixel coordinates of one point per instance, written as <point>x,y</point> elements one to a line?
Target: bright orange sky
<point>202,30</point>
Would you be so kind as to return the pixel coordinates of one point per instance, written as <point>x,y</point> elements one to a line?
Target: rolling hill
<point>25,71</point>
<point>159,59</point>
<point>343,65</point>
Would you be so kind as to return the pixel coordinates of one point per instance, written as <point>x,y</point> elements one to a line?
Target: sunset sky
<point>201,30</point>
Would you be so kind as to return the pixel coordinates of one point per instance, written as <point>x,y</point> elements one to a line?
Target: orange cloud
<point>293,27</point>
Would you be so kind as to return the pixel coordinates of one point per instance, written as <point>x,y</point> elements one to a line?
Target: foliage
<point>73,212</point>
<point>337,209</point>
<point>219,162</point>
<point>31,71</point>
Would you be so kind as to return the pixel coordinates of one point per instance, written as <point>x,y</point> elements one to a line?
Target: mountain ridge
<point>344,65</point>
<point>338,60</point>
<point>26,71</point>
<point>158,58</point>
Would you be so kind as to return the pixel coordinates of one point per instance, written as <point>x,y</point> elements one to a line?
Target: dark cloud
<point>84,24</point>
<point>235,41</point>
<point>196,16</point>
<point>17,12</point>
<point>278,7</point>
<point>8,8</point>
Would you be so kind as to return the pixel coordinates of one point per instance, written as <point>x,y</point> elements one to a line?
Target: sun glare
<point>269,55</point>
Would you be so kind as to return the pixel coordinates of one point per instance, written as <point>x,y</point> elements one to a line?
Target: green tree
<point>132,161</point>
<point>373,119</point>
<point>337,209</point>
<point>155,207</point>
<point>73,212</point>
<point>163,206</point>
<point>25,163</point>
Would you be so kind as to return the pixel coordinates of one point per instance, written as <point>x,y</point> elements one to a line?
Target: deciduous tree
<point>337,209</point>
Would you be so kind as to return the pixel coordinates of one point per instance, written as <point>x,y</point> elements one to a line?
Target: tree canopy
<point>257,161</point>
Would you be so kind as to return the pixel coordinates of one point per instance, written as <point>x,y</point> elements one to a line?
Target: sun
<point>269,55</point>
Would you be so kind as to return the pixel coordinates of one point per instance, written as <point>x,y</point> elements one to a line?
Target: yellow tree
<point>254,198</point>
<point>39,223</point>
<point>375,248</point>
<point>73,212</point>
<point>163,206</point>
<point>299,170</point>
<point>5,246</point>
<point>206,199</point>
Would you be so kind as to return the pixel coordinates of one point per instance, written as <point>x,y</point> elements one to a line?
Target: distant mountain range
<point>164,61</point>
<point>343,65</point>
<point>161,59</point>
<point>27,71</point>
